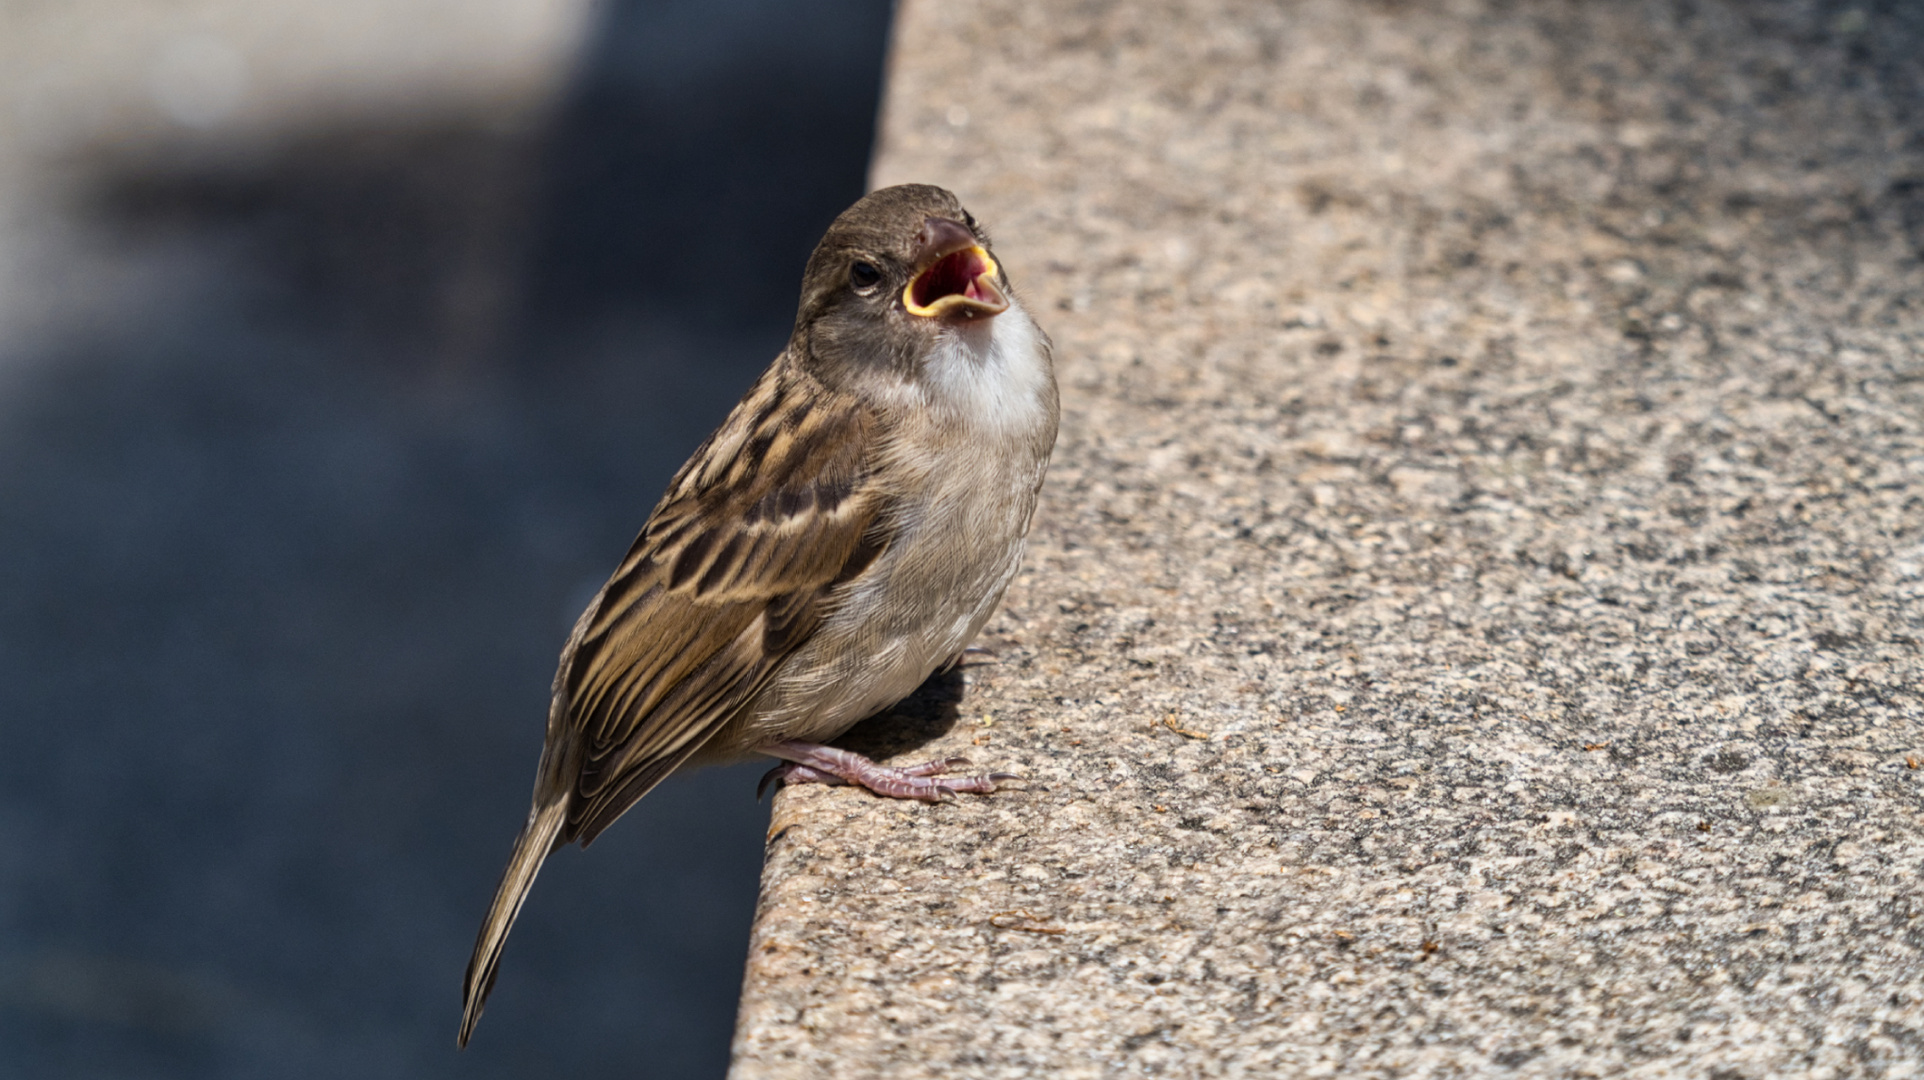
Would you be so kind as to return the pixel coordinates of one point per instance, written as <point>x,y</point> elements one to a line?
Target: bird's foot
<point>812,763</point>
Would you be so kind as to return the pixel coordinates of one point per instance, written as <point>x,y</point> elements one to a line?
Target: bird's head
<point>895,272</point>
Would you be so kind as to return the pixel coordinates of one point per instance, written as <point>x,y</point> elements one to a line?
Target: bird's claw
<point>809,763</point>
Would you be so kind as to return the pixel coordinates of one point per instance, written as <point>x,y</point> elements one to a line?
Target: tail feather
<point>538,838</point>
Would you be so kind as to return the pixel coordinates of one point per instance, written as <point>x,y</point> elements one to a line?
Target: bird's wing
<point>734,570</point>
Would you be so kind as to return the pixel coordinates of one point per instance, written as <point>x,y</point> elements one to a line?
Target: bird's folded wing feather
<point>734,570</point>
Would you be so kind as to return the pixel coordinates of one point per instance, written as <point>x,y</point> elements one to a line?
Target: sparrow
<point>842,536</point>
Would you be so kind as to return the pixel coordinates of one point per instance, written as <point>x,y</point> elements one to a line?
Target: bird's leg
<point>790,773</point>
<point>812,763</point>
<point>976,652</point>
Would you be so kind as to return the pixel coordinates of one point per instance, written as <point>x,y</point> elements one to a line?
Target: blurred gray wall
<point>343,348</point>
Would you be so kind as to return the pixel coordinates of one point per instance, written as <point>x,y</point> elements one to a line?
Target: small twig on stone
<point>1170,723</point>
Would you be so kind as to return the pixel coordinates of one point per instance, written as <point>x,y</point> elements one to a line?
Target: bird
<point>843,535</point>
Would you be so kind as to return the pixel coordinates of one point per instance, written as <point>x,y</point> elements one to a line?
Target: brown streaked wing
<point>732,572</point>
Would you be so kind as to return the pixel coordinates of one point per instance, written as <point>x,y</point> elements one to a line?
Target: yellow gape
<point>962,281</point>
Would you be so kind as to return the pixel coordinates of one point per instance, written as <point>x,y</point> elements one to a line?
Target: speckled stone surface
<point>1473,623</point>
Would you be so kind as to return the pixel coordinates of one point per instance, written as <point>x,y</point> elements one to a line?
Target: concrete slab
<point>1473,624</point>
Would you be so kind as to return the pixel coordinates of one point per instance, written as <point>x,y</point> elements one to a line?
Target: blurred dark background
<point>315,435</point>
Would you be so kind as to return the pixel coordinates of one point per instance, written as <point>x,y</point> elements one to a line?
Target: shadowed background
<point>327,397</point>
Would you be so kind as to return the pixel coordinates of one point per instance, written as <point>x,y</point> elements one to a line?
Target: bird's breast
<point>965,471</point>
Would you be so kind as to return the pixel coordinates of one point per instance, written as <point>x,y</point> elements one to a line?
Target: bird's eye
<point>863,276</point>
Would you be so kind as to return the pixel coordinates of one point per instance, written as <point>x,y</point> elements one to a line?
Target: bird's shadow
<point>912,723</point>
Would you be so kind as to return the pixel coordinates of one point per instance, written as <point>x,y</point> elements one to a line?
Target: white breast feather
<point>992,375</point>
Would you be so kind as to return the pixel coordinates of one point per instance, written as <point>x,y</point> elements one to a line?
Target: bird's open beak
<point>957,275</point>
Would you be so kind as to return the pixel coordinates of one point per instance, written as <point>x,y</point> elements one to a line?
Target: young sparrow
<point>844,535</point>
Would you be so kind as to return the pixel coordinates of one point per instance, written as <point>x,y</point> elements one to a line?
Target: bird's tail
<point>531,848</point>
